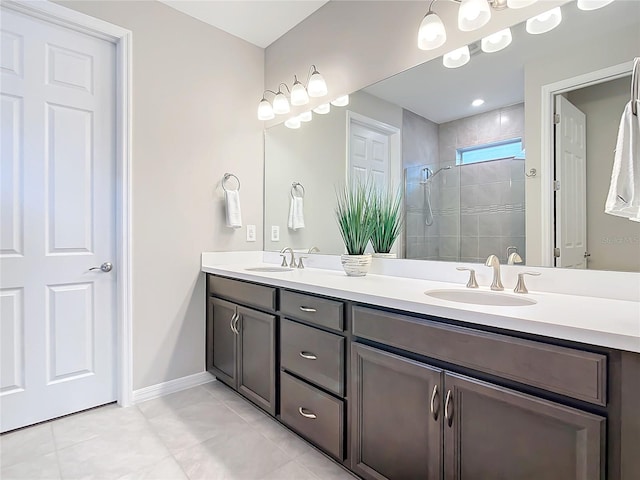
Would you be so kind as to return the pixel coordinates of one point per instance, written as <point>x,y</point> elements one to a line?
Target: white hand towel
<point>232,207</point>
<point>624,192</point>
<point>296,213</point>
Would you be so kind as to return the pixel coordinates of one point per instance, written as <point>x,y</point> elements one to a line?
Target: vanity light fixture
<point>280,102</point>
<point>342,101</point>
<point>316,87</point>
<point>496,41</point>
<point>477,102</point>
<point>520,3</point>
<point>322,109</point>
<point>545,22</point>
<point>299,95</point>
<point>592,4</point>
<point>306,116</point>
<point>431,33</point>
<point>457,58</point>
<point>265,110</point>
<point>473,14</point>
<point>293,122</point>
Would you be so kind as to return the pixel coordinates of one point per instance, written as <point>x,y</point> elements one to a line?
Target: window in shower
<point>490,151</point>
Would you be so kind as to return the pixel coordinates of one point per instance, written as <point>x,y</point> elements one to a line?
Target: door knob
<point>105,267</point>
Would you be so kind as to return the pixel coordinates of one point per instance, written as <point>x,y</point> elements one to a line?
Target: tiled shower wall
<point>478,209</point>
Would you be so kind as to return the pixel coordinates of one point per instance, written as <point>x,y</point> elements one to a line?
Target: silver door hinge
<point>556,252</point>
<point>556,118</point>
<point>556,185</point>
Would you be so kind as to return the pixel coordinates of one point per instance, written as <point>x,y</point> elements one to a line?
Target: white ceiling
<point>258,22</point>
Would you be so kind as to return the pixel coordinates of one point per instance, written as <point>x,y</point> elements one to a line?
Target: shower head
<point>431,174</point>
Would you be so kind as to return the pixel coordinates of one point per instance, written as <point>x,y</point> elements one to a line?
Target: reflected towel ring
<point>294,187</point>
<point>531,173</point>
<point>226,177</point>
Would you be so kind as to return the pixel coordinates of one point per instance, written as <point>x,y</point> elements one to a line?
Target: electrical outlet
<point>251,233</point>
<point>275,233</point>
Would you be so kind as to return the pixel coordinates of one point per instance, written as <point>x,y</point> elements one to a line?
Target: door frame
<point>547,151</point>
<point>122,39</point>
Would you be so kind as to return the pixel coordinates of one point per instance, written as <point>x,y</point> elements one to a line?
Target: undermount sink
<point>480,297</point>
<point>269,269</point>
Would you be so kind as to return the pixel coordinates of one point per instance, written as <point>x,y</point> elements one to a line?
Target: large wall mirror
<point>469,148</point>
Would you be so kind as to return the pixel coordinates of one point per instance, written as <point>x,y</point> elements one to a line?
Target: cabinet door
<point>221,340</point>
<point>257,358</point>
<point>395,417</point>
<point>494,433</point>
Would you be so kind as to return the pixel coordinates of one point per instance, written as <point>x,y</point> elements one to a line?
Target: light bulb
<point>322,109</point>
<point>431,33</point>
<point>317,86</point>
<point>477,102</point>
<point>545,22</point>
<point>592,4</point>
<point>473,14</point>
<point>299,94</point>
<point>293,123</point>
<point>342,101</point>
<point>265,111</point>
<point>457,58</point>
<point>281,104</point>
<point>305,116</point>
<point>497,41</point>
<point>520,3</point>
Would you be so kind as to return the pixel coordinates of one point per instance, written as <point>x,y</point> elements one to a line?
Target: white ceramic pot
<point>385,255</point>
<point>356,265</point>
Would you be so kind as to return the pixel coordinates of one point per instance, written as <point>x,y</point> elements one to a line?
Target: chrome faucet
<point>292,261</point>
<point>492,261</point>
<point>313,250</point>
<point>514,257</point>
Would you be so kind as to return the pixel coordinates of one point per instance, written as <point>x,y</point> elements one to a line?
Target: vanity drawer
<point>243,292</point>
<point>327,313</point>
<point>567,371</point>
<point>315,415</point>
<point>313,354</point>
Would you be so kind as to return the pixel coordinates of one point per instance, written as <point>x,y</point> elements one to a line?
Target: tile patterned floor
<point>207,432</point>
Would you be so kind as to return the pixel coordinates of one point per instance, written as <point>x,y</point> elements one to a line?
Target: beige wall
<point>613,242</point>
<point>194,99</point>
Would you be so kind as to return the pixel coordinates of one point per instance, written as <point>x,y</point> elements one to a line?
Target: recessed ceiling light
<point>477,102</point>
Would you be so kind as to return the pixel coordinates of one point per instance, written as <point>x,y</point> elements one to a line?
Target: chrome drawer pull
<point>306,415</point>
<point>308,356</point>
<point>308,309</point>
<point>232,323</point>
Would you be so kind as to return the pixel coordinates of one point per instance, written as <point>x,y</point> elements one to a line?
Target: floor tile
<point>175,401</point>
<point>44,467</point>
<point>291,471</point>
<point>323,468</point>
<point>248,456</point>
<point>26,444</point>
<point>220,391</point>
<point>246,410</point>
<point>167,469</point>
<point>281,436</point>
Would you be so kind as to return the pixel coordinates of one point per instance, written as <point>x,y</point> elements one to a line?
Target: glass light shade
<point>457,58</point>
<point>477,102</point>
<point>431,33</point>
<point>322,109</point>
<point>265,111</point>
<point>592,4</point>
<point>545,22</point>
<point>520,3</point>
<point>473,14</point>
<point>342,101</point>
<point>293,123</point>
<point>281,104</point>
<point>299,94</point>
<point>497,41</point>
<point>317,86</point>
<point>306,116</point>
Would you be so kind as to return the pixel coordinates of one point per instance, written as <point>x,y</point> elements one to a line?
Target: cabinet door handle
<point>447,415</point>
<point>235,325</point>
<point>308,356</point>
<point>308,309</point>
<point>234,317</point>
<point>435,407</point>
<point>302,412</point>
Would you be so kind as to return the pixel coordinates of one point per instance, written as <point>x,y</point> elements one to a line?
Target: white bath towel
<point>232,207</point>
<point>624,192</point>
<point>296,213</point>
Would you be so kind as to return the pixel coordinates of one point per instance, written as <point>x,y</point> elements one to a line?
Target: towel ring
<point>226,177</point>
<point>294,187</point>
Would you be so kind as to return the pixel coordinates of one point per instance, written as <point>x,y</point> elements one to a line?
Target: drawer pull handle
<point>302,412</point>
<point>435,407</point>
<point>232,322</point>
<point>448,416</point>
<point>308,356</point>
<point>308,309</point>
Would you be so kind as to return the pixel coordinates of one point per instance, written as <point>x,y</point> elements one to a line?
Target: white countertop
<point>596,321</point>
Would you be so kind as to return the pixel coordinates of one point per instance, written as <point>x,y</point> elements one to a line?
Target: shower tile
<point>469,174</point>
<point>517,169</point>
<point>512,121</point>
<point>469,225</point>
<point>489,246</point>
<point>467,133</point>
<point>447,154</point>
<point>468,196</point>
<point>449,225</point>
<point>432,249</point>
<point>413,196</point>
<point>469,247</point>
<point>514,193</point>
<point>490,224</point>
<point>514,224</point>
<point>412,173</point>
<point>488,126</point>
<point>451,177</point>
<point>447,134</point>
<point>449,246</point>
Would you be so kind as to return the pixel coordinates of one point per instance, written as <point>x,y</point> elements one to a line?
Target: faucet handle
<point>472,283</point>
<point>514,257</point>
<point>520,286</point>
<point>300,264</point>
<point>284,260</point>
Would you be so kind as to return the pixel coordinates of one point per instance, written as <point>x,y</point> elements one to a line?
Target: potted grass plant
<point>387,219</point>
<point>355,222</point>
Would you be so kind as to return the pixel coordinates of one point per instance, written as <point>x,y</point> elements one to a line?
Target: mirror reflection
<point>466,146</point>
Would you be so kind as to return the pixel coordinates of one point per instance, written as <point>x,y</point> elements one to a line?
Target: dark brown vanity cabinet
<point>241,346</point>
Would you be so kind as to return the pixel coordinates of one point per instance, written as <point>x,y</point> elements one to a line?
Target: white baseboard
<point>172,386</point>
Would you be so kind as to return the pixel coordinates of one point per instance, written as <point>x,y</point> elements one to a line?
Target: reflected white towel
<point>296,213</point>
<point>232,207</point>
<point>624,192</point>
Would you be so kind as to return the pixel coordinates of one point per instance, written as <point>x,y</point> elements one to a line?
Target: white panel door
<point>571,186</point>
<point>57,221</point>
<point>369,153</point>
